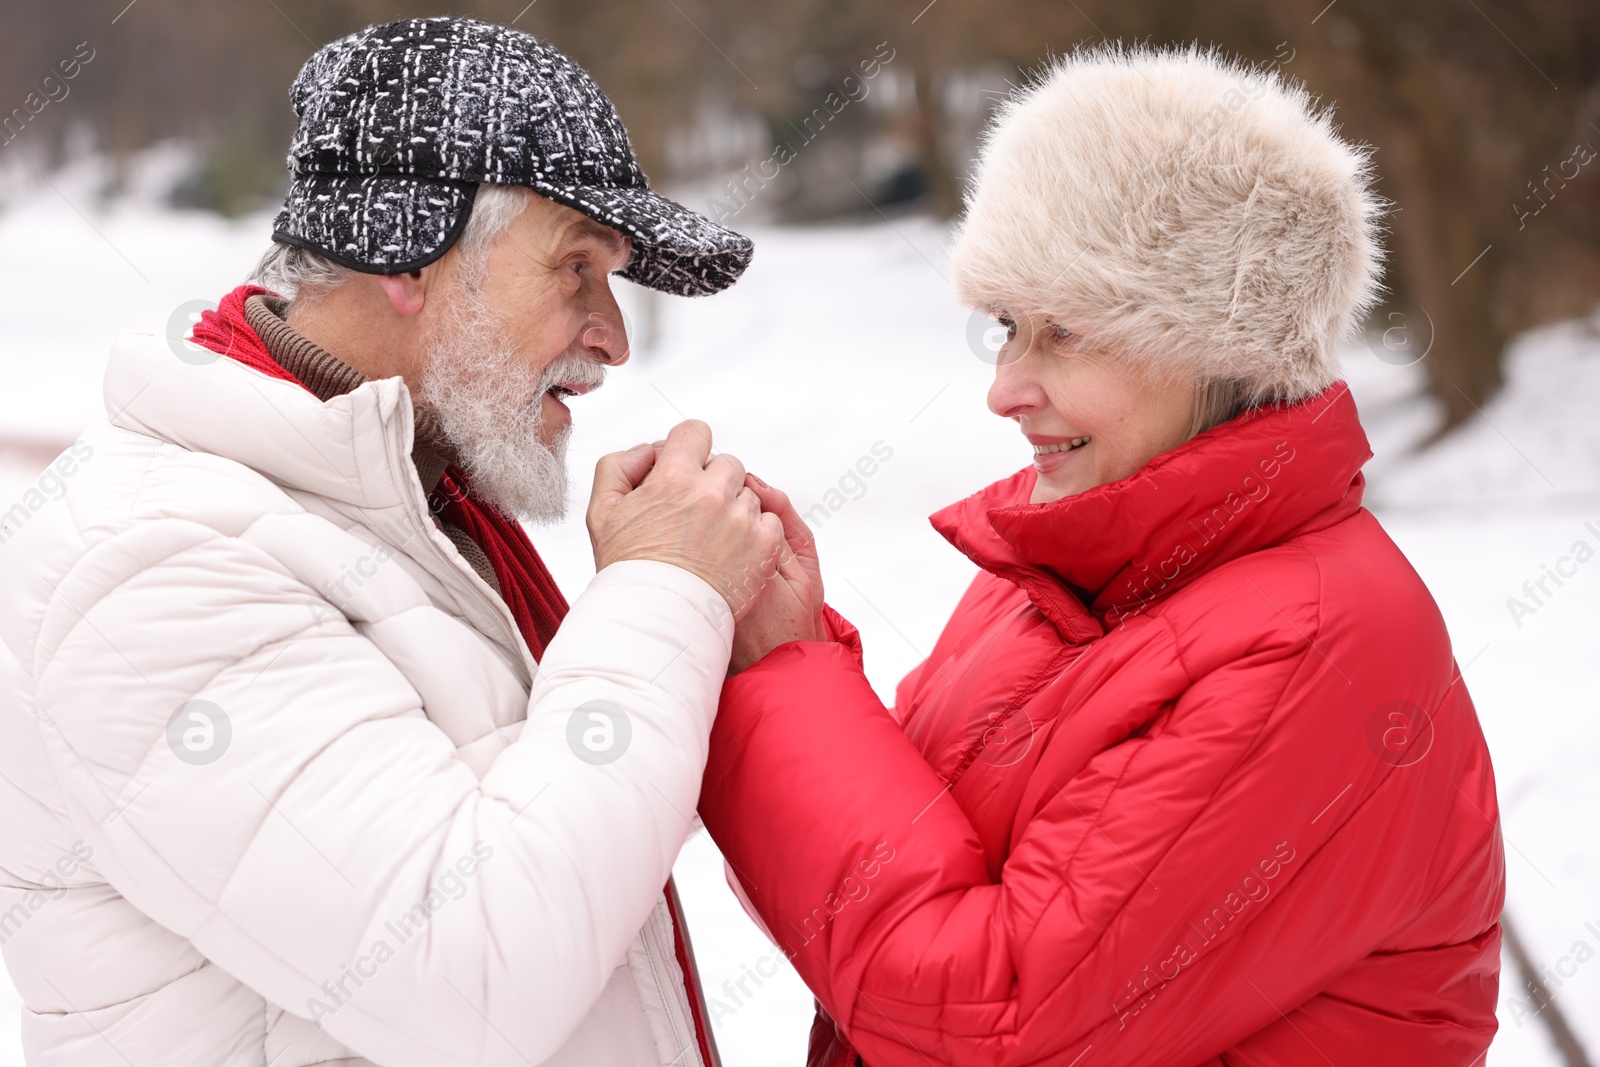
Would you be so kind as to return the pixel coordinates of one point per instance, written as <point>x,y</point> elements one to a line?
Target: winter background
<point>842,338</point>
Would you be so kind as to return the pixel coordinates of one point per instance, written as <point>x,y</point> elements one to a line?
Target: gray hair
<point>293,272</point>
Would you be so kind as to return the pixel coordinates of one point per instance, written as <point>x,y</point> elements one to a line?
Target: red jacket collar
<point>1091,560</point>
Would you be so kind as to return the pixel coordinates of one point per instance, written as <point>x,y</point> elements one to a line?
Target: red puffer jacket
<point>1190,778</point>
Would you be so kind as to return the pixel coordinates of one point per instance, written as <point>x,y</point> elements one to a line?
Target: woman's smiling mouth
<point>1063,446</point>
<point>1052,453</point>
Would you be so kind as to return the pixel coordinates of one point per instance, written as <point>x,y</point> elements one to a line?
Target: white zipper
<point>656,953</point>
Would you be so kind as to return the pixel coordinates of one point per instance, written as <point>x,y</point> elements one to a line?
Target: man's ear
<point>407,292</point>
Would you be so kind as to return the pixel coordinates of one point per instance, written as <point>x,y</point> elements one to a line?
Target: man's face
<point>517,332</point>
<point>548,280</point>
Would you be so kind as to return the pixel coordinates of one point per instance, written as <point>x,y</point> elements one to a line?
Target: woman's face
<point>1089,418</point>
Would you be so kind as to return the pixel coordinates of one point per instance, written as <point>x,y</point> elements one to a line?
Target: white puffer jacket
<point>393,835</point>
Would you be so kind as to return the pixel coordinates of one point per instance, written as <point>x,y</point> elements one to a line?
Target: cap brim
<point>675,250</point>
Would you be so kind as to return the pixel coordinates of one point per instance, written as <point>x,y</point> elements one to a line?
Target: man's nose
<point>605,335</point>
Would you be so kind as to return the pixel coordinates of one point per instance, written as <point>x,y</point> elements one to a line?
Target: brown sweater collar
<point>327,377</point>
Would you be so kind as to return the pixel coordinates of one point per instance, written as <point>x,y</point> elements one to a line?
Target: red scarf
<point>526,586</point>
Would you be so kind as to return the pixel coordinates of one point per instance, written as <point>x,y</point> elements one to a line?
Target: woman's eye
<point>1011,327</point>
<point>1061,333</point>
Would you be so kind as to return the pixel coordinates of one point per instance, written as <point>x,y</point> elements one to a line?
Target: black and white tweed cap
<point>400,123</point>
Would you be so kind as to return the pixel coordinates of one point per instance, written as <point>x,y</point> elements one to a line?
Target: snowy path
<point>842,346</point>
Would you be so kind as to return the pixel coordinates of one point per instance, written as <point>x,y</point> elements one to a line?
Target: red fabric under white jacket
<point>1191,777</point>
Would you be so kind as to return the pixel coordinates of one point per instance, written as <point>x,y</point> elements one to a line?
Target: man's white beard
<point>479,392</point>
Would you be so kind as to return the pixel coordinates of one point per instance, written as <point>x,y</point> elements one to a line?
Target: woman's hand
<point>788,606</point>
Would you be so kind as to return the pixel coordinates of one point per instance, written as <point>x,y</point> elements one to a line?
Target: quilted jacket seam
<point>1301,656</point>
<point>82,615</point>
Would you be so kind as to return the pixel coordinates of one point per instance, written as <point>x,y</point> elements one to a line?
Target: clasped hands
<point>673,501</point>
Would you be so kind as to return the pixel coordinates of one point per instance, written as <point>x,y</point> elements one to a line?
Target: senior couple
<point>304,759</point>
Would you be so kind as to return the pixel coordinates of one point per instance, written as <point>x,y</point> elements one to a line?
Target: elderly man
<point>304,759</point>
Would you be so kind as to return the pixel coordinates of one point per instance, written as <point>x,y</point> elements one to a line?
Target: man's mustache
<point>574,369</point>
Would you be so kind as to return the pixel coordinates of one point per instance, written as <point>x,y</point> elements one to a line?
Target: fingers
<point>772,540</point>
<point>750,503</point>
<point>776,502</point>
<point>621,472</point>
<point>688,449</point>
<point>688,445</point>
<point>730,472</point>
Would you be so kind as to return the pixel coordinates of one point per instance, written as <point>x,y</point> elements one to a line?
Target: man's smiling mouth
<point>560,391</point>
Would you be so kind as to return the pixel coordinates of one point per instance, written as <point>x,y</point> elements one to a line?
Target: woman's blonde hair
<point>1216,400</point>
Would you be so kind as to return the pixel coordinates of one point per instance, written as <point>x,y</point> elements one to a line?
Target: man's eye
<point>1009,324</point>
<point>1061,333</point>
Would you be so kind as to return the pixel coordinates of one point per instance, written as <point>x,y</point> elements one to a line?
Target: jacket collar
<point>328,376</point>
<point>344,448</point>
<point>352,450</point>
<point>1092,560</point>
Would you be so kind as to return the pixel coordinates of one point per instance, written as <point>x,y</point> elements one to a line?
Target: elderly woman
<point>1190,777</point>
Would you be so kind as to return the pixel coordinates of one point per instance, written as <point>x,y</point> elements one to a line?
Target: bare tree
<point>1484,118</point>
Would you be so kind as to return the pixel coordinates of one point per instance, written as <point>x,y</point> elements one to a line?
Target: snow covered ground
<point>844,343</point>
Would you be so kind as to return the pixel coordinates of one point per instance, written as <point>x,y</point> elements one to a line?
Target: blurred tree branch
<point>1478,114</point>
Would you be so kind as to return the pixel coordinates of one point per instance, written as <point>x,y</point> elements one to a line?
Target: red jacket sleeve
<point>1163,899</point>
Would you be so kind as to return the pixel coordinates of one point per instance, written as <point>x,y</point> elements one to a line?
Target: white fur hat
<point>1178,209</point>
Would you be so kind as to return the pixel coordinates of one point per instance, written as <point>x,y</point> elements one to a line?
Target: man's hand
<point>670,504</point>
<point>789,607</point>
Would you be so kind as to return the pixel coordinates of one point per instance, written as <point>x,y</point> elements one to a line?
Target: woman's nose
<point>1015,390</point>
